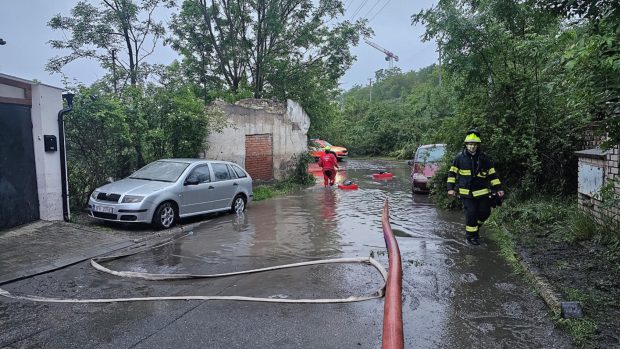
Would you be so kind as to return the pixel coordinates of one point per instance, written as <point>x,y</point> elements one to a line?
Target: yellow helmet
<point>327,148</point>
<point>472,137</point>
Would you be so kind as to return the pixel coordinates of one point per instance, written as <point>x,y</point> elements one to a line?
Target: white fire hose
<point>148,276</point>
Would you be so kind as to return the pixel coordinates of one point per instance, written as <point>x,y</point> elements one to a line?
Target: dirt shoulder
<point>564,266</point>
<point>586,272</point>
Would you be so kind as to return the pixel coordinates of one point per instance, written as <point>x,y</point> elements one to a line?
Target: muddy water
<point>454,295</point>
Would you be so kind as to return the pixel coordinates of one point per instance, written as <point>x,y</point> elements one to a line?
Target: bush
<point>557,218</point>
<point>110,136</point>
<point>299,173</point>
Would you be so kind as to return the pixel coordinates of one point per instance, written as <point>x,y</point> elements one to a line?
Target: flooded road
<point>454,295</point>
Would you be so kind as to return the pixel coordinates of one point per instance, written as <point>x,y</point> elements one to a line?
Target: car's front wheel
<point>165,216</point>
<point>238,204</point>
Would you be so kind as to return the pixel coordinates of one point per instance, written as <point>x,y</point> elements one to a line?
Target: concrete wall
<point>594,163</point>
<point>46,102</point>
<point>287,123</point>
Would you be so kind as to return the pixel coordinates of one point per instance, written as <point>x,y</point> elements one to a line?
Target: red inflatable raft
<point>382,175</point>
<point>347,185</point>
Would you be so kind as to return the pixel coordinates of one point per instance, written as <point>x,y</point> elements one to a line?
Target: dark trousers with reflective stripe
<point>476,212</point>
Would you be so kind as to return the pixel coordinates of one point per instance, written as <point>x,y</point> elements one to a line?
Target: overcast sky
<point>24,28</point>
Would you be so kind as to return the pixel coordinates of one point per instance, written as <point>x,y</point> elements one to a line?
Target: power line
<point>358,9</point>
<point>372,8</point>
<point>381,9</point>
<point>348,4</point>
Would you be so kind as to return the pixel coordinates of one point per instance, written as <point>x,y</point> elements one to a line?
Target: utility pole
<point>370,89</point>
<point>114,69</point>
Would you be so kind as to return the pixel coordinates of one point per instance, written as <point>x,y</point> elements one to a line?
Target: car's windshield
<point>165,171</point>
<point>320,143</point>
<point>430,154</point>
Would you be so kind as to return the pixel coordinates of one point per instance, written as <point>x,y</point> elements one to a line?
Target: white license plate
<point>103,209</point>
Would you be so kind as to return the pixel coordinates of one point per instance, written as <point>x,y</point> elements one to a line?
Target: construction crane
<point>389,56</point>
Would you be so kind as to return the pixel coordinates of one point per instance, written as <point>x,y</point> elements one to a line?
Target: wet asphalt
<point>454,295</point>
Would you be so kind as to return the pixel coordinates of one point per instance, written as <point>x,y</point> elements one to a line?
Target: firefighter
<point>329,163</point>
<point>474,179</point>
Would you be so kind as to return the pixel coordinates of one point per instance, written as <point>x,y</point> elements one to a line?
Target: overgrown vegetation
<point>557,219</point>
<point>110,136</point>
<point>297,178</point>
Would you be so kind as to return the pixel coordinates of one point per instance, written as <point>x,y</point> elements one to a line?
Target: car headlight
<point>131,199</point>
<point>94,194</point>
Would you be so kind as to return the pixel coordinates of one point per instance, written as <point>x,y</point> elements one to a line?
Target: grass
<point>297,178</point>
<point>268,191</point>
<point>558,219</point>
<point>573,294</point>
<point>580,330</point>
<point>506,245</point>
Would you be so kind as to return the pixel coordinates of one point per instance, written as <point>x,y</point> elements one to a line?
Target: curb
<point>178,230</point>
<point>540,284</point>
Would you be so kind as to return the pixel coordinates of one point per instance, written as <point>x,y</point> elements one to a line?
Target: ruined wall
<point>598,170</point>
<point>287,124</point>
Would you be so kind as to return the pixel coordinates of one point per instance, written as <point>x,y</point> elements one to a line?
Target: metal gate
<point>19,201</point>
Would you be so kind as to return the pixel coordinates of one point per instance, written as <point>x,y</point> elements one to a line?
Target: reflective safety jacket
<point>473,175</point>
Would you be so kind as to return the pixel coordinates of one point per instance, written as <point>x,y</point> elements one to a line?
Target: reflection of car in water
<point>424,165</point>
<point>317,148</point>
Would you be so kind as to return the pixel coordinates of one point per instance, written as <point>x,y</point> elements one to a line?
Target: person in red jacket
<point>329,163</point>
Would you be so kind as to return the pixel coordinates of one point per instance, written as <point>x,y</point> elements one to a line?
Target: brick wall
<point>604,211</point>
<point>613,161</point>
<point>259,156</point>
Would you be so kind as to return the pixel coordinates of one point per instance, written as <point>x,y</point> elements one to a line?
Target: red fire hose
<point>392,310</point>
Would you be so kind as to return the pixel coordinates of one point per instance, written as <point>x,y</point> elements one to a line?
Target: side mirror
<point>191,181</point>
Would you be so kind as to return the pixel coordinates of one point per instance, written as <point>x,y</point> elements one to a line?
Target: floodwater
<point>454,295</point>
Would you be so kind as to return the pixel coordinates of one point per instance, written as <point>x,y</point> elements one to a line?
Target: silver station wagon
<point>165,190</point>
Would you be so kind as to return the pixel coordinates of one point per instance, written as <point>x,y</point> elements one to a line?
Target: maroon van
<point>424,166</point>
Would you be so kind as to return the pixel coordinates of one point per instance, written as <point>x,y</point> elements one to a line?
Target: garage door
<point>19,202</point>
<point>259,156</point>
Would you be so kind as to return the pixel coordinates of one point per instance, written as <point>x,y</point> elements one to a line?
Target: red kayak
<point>382,175</point>
<point>347,186</point>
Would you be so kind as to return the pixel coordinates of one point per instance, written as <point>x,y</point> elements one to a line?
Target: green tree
<point>592,60</point>
<point>503,59</point>
<point>404,113</point>
<point>118,34</point>
<point>110,136</point>
<point>265,45</point>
